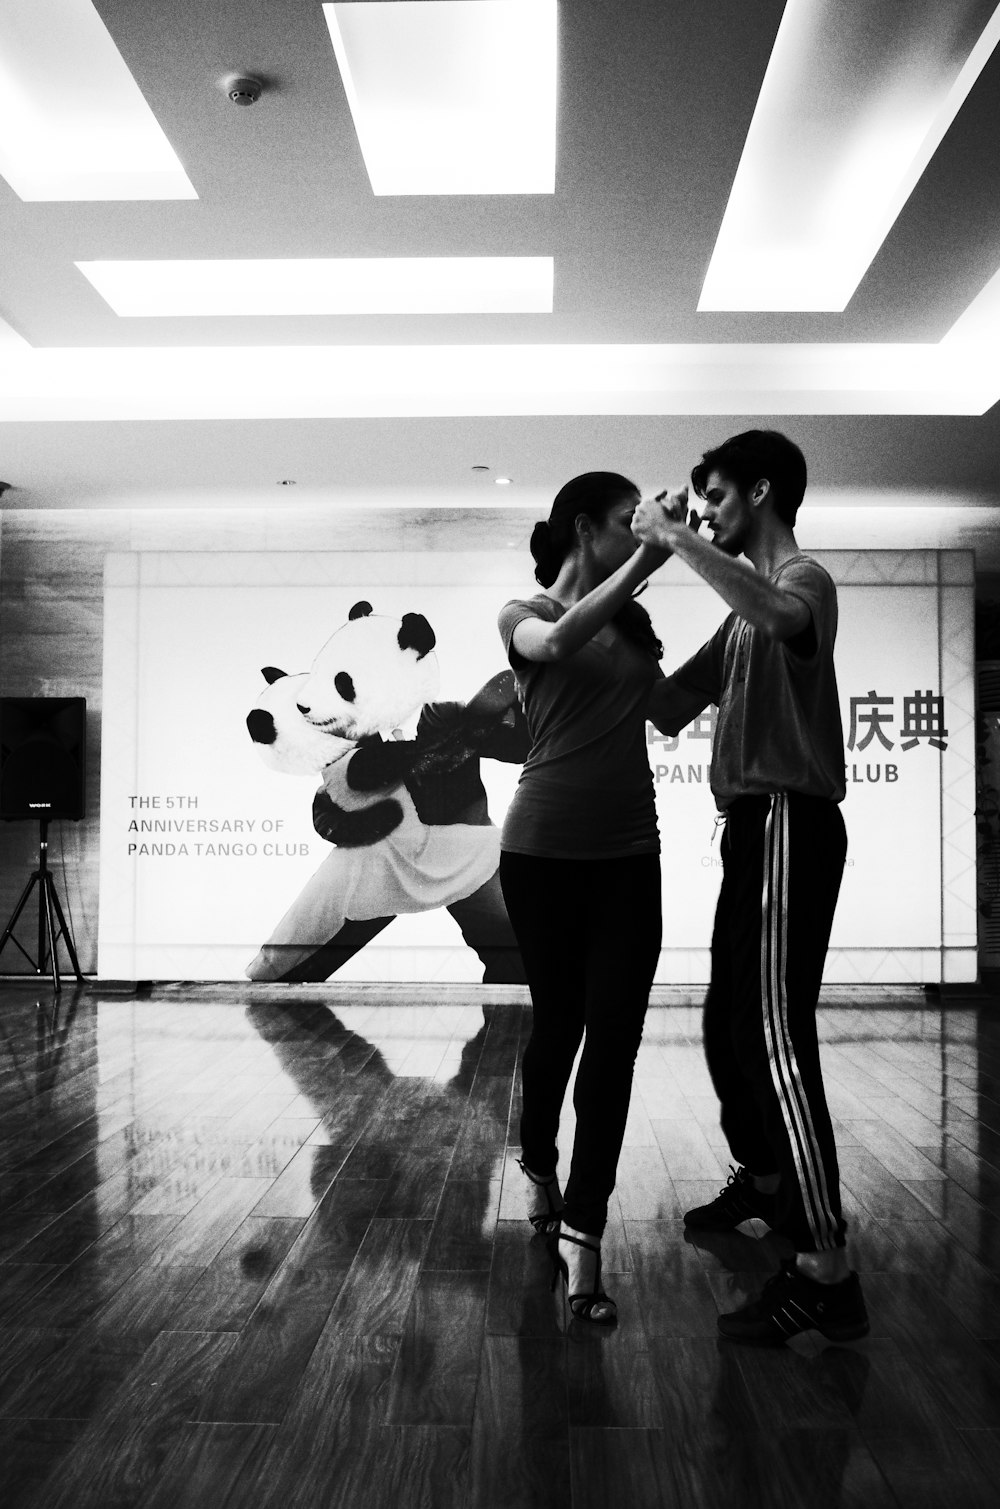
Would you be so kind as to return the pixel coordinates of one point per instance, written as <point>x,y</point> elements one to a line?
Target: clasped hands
<point>659,521</point>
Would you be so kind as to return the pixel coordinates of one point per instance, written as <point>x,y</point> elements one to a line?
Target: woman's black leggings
<point>589,935</point>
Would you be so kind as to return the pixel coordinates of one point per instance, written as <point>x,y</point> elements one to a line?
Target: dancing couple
<point>580,861</point>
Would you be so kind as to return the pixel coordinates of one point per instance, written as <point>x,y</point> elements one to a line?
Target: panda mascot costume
<point>407,816</point>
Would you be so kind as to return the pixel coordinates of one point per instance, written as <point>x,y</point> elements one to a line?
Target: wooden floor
<point>265,1246</point>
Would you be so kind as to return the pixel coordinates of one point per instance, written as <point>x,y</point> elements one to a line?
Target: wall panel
<point>51,629</point>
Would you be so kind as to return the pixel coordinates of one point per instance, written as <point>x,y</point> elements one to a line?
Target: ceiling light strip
<point>451,96</point>
<point>855,101</point>
<point>73,121</point>
<point>325,286</point>
<point>451,380</point>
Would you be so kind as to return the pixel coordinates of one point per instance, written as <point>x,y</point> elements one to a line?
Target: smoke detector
<point>243,90</point>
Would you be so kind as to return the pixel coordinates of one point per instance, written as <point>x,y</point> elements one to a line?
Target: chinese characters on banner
<point>873,719</point>
<point>923,718</point>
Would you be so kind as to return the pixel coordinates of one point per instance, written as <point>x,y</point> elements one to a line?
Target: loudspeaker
<point>42,757</point>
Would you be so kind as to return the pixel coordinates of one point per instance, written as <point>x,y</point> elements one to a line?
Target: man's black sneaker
<point>736,1202</point>
<point>791,1302</point>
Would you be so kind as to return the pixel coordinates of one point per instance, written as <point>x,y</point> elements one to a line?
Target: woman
<point>579,862</point>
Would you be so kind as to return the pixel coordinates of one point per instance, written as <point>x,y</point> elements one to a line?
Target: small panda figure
<point>285,741</point>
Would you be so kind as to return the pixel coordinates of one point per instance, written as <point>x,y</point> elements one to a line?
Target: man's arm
<point>675,700</point>
<point>766,606</point>
<point>672,706</point>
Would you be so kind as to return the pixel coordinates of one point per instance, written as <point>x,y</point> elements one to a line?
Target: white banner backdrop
<point>203,848</point>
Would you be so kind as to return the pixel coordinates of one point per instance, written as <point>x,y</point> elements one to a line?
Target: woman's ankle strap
<point>564,1236</point>
<point>542,1179</point>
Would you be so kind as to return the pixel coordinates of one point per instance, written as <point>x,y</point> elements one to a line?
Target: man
<point>778,779</point>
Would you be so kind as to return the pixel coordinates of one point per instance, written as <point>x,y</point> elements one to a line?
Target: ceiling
<point>655,101</point>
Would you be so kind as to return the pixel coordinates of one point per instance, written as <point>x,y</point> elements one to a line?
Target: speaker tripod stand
<point>49,913</point>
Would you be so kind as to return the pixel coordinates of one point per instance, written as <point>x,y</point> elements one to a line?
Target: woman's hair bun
<point>542,552</point>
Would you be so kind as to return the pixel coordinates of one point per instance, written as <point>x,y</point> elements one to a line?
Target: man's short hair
<point>746,459</point>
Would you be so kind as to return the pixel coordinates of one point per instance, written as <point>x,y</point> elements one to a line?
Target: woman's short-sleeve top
<point>586,789</point>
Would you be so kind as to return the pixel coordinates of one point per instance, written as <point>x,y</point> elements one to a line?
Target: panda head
<point>372,676</point>
<point>283,738</point>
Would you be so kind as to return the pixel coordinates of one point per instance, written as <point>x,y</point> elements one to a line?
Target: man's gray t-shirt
<point>586,790</point>
<point>779,725</point>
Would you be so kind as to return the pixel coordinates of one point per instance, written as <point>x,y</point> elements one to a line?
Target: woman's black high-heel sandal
<point>545,1221</point>
<point>582,1305</point>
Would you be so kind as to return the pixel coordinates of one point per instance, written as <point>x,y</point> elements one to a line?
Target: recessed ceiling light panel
<point>73,121</point>
<point>855,101</point>
<point>451,96</point>
<point>334,285</point>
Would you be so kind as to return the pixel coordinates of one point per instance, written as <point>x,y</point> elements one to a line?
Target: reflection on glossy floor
<point>266,1247</point>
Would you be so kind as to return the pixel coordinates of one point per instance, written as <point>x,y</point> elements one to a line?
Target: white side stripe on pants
<point>785,1074</point>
